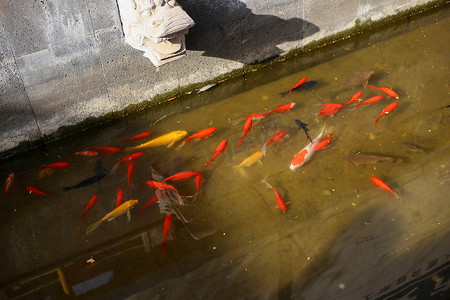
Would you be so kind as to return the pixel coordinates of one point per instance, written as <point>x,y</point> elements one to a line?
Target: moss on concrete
<point>367,27</point>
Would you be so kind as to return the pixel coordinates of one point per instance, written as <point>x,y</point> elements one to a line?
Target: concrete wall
<point>63,61</point>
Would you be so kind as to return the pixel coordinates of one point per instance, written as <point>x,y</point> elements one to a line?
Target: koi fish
<point>381,184</point>
<point>354,98</point>
<point>149,203</point>
<point>202,134</point>
<point>257,116</point>
<point>129,172</point>
<point>303,126</point>
<point>9,182</point>
<point>181,176</point>
<point>299,83</point>
<point>305,154</point>
<point>388,109</point>
<point>371,100</point>
<point>45,172</point>
<point>160,185</point>
<point>322,144</point>
<point>89,181</point>
<point>249,161</point>
<point>329,111</point>
<point>360,158</point>
<point>167,139</point>
<point>276,138</point>
<point>123,208</point>
<point>89,205</point>
<point>355,81</point>
<point>247,128</point>
<point>108,150</point>
<point>219,149</point>
<point>62,279</point>
<point>32,190</point>
<point>198,180</point>
<point>119,198</point>
<point>282,108</point>
<point>58,165</point>
<point>332,105</point>
<point>129,158</point>
<point>86,153</point>
<point>280,201</point>
<point>384,90</point>
<point>166,229</point>
<point>138,136</point>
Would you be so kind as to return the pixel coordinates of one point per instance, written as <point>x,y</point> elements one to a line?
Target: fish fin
<point>171,144</point>
<point>94,226</point>
<point>263,149</point>
<point>260,162</point>
<point>180,146</point>
<point>128,216</point>
<point>114,169</point>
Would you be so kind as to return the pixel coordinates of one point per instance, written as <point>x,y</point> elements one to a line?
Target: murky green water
<point>340,238</point>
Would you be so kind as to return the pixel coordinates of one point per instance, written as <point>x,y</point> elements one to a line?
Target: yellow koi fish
<point>62,278</point>
<point>120,210</point>
<point>167,139</point>
<point>255,157</point>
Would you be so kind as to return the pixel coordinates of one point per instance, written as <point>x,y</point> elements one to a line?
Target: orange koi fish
<point>329,111</point>
<point>149,203</point>
<point>129,158</point>
<point>276,138</point>
<point>58,165</point>
<point>138,136</point>
<point>123,208</point>
<point>129,172</point>
<point>86,153</point>
<point>280,201</point>
<point>119,198</point>
<point>220,148</point>
<point>384,90</point>
<point>388,109</point>
<point>299,83</point>
<point>31,190</point>
<point>371,100</point>
<point>282,108</point>
<point>181,176</point>
<point>198,180</point>
<point>108,150</point>
<point>202,134</point>
<point>9,182</point>
<point>381,184</point>
<point>166,229</point>
<point>257,116</point>
<point>247,128</point>
<point>305,154</point>
<point>323,143</point>
<point>89,205</point>
<point>160,185</point>
<point>354,98</point>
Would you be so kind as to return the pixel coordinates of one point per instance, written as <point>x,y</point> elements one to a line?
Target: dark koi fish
<point>355,81</point>
<point>304,127</point>
<point>89,181</point>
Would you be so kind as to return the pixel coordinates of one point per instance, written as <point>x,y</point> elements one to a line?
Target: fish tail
<point>266,183</point>
<point>263,149</point>
<point>114,169</point>
<point>94,226</point>
<point>376,121</point>
<point>67,188</point>
<point>163,248</point>
<point>240,142</point>
<point>180,145</point>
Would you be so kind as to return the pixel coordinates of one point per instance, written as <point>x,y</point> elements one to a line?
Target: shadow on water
<point>226,26</point>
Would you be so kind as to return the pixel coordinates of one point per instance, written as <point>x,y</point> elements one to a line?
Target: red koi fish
<point>160,185</point>
<point>119,198</point>
<point>202,134</point>
<point>384,90</point>
<point>329,111</point>
<point>149,203</point>
<point>32,190</point>
<point>354,98</point>
<point>108,150</point>
<point>220,148</point>
<point>198,180</point>
<point>181,176</point>
<point>280,201</point>
<point>282,108</point>
<point>276,138</point>
<point>89,205</point>
<point>86,153</point>
<point>324,143</point>
<point>166,229</point>
<point>130,170</point>
<point>58,165</point>
<point>381,184</point>
<point>371,100</point>
<point>247,128</point>
<point>299,83</point>
<point>129,158</point>
<point>305,154</point>
<point>9,182</point>
<point>138,136</point>
<point>388,109</point>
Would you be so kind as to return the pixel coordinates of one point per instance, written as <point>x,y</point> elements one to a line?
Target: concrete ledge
<point>62,63</point>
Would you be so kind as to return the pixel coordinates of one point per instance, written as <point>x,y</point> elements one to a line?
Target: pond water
<point>341,237</point>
